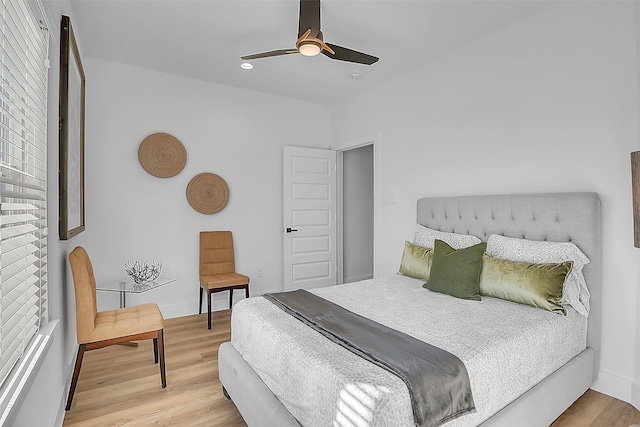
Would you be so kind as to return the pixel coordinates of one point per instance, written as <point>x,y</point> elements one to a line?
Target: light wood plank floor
<point>120,386</point>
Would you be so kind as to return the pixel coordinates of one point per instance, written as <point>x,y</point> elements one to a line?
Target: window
<point>23,178</point>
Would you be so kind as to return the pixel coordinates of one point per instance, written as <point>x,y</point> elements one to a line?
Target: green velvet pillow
<point>456,272</point>
<point>416,261</point>
<point>538,285</point>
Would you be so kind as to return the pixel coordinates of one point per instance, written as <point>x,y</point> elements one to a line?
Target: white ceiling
<point>205,39</point>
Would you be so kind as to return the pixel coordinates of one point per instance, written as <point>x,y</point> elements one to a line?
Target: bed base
<point>257,405</point>
<point>538,407</point>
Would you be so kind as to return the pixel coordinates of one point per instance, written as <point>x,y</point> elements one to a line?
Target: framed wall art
<point>71,135</point>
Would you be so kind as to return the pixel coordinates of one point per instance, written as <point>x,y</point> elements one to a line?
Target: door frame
<point>340,148</point>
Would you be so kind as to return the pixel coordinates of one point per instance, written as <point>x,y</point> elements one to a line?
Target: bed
<point>265,397</point>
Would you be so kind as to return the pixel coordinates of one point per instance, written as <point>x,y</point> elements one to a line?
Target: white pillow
<point>426,237</point>
<point>574,291</point>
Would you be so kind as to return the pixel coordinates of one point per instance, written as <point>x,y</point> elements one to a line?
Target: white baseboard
<point>219,302</point>
<point>614,385</point>
<point>357,279</point>
<point>635,395</point>
<point>181,310</point>
<point>268,291</point>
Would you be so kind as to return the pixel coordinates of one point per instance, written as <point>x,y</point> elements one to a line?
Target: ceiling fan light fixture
<point>309,48</point>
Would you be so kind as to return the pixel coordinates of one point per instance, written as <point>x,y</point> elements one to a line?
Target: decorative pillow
<point>426,237</point>
<point>456,272</point>
<point>539,285</point>
<point>416,261</point>
<point>575,292</point>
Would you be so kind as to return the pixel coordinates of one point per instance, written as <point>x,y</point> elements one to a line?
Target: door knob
<point>289,230</point>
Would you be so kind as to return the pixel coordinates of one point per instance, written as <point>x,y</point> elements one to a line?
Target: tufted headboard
<point>559,217</point>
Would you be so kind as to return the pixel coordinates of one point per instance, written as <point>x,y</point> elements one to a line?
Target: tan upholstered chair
<point>101,329</point>
<point>218,268</point>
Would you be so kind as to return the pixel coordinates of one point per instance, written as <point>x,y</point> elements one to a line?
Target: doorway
<point>357,212</point>
<point>318,259</point>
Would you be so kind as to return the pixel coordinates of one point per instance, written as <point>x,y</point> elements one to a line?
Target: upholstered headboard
<point>559,217</point>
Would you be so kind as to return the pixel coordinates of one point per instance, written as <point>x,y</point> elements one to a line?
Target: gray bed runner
<point>437,380</point>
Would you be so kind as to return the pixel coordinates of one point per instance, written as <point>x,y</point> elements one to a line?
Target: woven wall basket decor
<point>207,193</point>
<point>162,155</point>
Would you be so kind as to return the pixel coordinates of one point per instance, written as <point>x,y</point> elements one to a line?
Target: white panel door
<point>309,218</point>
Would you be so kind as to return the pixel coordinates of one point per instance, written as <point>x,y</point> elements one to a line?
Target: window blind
<point>23,178</point>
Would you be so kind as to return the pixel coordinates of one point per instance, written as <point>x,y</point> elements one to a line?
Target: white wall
<point>358,213</point>
<point>547,104</point>
<point>235,133</point>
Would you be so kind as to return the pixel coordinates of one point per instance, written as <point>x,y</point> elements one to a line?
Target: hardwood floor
<point>595,409</point>
<point>120,386</point>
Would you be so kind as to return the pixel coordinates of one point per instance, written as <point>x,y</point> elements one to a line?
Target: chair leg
<point>246,291</point>
<point>160,347</point>
<point>230,298</point>
<point>209,308</point>
<point>200,305</point>
<point>76,374</point>
<point>155,350</point>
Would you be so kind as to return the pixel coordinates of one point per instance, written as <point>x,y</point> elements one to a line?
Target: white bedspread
<point>506,347</point>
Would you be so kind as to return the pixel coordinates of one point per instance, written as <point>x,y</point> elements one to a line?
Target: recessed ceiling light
<point>246,66</point>
<point>356,75</point>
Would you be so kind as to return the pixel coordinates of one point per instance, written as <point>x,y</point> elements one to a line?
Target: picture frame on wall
<point>71,135</point>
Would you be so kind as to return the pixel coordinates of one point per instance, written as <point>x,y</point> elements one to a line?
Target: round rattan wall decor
<point>162,155</point>
<point>207,193</point>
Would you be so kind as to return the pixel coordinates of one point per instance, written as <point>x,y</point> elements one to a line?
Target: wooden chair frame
<point>158,356</point>
<point>211,291</point>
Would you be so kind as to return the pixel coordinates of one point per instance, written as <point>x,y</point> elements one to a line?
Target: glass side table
<point>128,286</point>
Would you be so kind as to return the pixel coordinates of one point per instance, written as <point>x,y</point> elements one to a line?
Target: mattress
<point>506,347</point>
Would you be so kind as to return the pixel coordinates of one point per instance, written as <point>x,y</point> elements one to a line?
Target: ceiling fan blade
<point>309,18</point>
<point>268,54</point>
<point>344,54</point>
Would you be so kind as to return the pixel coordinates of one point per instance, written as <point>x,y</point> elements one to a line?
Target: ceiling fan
<point>310,41</point>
